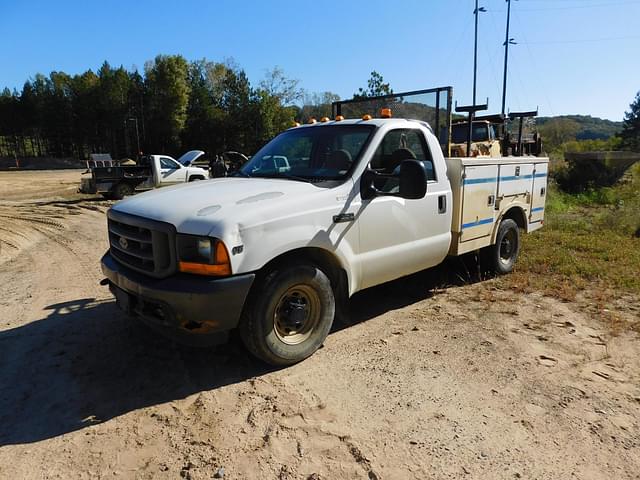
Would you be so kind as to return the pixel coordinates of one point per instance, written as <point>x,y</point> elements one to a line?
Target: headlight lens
<point>204,248</point>
<point>202,255</point>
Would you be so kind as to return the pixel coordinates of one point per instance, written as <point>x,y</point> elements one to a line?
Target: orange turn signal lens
<point>205,269</point>
<point>221,265</point>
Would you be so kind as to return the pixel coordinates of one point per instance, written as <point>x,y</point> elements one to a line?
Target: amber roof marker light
<point>366,116</point>
<point>339,118</point>
<point>385,113</point>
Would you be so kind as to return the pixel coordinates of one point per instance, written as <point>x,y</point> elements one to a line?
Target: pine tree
<point>376,86</point>
<point>631,127</point>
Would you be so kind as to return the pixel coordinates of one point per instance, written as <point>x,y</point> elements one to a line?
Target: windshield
<point>310,153</point>
<point>460,131</point>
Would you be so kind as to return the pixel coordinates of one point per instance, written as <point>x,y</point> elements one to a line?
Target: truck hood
<point>195,208</point>
<point>190,157</point>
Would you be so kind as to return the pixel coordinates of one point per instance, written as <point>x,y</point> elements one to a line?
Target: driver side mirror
<point>413,180</point>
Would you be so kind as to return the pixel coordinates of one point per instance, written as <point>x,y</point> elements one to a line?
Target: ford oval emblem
<point>123,243</point>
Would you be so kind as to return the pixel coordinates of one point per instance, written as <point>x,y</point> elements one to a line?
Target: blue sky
<point>573,56</point>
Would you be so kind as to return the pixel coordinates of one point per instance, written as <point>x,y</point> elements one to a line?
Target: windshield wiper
<point>288,177</point>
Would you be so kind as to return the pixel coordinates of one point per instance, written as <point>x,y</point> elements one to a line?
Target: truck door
<point>398,236</point>
<point>478,201</point>
<point>539,195</point>
<point>171,171</point>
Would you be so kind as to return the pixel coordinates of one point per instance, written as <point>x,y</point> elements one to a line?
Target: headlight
<point>202,255</point>
<point>204,248</point>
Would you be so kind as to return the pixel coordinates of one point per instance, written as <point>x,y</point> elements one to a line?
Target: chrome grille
<point>142,244</point>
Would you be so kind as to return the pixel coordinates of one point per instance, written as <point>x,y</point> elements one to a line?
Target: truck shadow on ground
<point>375,301</point>
<point>86,363</point>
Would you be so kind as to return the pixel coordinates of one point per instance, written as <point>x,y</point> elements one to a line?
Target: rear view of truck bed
<point>487,190</point>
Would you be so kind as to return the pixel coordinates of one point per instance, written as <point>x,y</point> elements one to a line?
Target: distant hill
<point>592,128</point>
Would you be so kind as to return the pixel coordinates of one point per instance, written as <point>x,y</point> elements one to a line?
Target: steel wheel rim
<point>508,246</point>
<point>297,314</point>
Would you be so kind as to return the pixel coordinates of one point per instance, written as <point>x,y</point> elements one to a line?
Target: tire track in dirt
<point>24,225</point>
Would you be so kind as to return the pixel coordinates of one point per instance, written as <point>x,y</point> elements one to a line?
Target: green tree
<point>376,86</point>
<point>168,89</point>
<point>631,126</point>
<point>285,90</point>
<point>557,131</point>
<point>204,115</point>
<point>317,105</point>
<point>84,99</point>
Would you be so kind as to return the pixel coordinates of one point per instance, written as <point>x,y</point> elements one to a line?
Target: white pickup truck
<point>116,181</point>
<point>272,251</point>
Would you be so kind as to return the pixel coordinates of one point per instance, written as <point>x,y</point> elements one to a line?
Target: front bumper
<point>188,308</point>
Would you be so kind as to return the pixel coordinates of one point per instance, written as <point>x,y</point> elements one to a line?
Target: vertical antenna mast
<point>508,41</point>
<point>475,51</point>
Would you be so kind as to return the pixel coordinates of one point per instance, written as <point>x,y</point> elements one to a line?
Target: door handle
<point>442,204</point>
<point>344,217</point>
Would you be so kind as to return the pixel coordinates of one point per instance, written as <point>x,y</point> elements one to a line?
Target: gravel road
<point>433,378</point>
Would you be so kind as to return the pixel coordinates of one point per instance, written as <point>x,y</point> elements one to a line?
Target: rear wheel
<point>196,178</point>
<point>290,316</point>
<point>121,190</point>
<point>501,257</point>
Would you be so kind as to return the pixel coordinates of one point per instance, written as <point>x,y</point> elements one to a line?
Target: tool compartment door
<point>539,195</point>
<point>478,201</point>
<point>515,179</point>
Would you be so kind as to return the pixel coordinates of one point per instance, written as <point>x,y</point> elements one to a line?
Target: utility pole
<point>508,41</point>
<point>135,119</point>
<point>475,51</point>
<point>132,119</point>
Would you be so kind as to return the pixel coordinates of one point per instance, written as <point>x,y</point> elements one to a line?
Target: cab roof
<point>377,122</point>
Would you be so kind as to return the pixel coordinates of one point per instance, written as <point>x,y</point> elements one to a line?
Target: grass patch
<point>588,242</point>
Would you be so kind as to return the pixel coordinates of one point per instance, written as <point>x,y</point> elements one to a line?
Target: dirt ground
<point>467,381</point>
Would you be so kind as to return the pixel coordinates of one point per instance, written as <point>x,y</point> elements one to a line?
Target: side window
<point>168,163</point>
<point>418,145</point>
<point>393,150</point>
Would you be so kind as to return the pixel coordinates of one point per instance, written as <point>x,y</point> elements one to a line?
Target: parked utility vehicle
<point>484,140</point>
<point>118,180</point>
<point>273,252</point>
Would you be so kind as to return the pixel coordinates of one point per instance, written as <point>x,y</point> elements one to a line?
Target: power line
<point>536,70</point>
<point>573,7</point>
<point>584,40</point>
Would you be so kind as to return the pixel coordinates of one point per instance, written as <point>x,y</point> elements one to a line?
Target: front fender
<point>261,244</point>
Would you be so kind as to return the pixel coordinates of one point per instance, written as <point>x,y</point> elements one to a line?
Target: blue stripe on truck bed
<point>521,177</point>
<point>476,181</point>
<point>477,223</point>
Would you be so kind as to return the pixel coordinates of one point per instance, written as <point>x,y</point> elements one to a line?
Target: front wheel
<point>290,316</point>
<point>501,257</point>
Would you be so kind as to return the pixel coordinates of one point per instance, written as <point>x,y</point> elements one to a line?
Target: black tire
<point>195,178</point>
<point>121,190</point>
<point>501,257</point>
<point>290,315</point>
